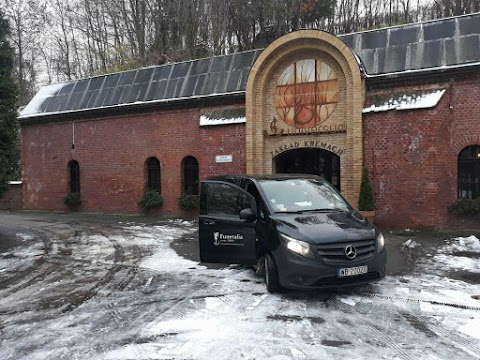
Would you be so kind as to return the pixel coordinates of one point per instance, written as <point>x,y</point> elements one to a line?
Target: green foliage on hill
<point>9,156</point>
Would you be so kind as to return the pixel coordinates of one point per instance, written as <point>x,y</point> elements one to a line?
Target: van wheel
<point>271,275</point>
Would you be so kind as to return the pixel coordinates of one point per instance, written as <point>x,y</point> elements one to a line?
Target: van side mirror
<point>248,215</point>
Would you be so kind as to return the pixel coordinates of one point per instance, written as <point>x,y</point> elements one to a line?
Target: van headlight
<point>380,241</point>
<point>297,246</point>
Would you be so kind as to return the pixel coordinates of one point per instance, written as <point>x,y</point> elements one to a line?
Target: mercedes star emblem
<point>350,252</point>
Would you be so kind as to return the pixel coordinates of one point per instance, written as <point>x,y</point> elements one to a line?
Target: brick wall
<point>112,152</point>
<point>12,200</point>
<point>412,155</point>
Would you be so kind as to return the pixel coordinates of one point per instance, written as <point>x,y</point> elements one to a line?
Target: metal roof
<point>437,44</point>
<point>213,76</point>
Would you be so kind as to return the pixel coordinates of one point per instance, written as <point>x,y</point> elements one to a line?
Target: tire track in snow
<point>379,335</point>
<point>407,299</point>
<point>23,277</point>
<point>468,346</point>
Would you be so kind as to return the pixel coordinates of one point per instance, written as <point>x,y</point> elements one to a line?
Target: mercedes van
<point>300,226</point>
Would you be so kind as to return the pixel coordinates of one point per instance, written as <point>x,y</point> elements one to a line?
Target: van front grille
<point>334,253</point>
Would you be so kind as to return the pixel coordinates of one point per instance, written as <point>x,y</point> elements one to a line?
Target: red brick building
<point>401,101</point>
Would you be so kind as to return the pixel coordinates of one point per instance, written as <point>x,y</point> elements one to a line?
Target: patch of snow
<point>471,244</point>
<point>149,281</point>
<point>164,258</point>
<point>472,328</point>
<point>24,237</point>
<point>29,252</point>
<point>410,244</point>
<point>166,261</point>
<point>349,301</point>
<point>206,121</point>
<point>34,106</point>
<point>405,102</point>
<point>458,262</point>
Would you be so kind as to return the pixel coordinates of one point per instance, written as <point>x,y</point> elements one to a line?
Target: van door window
<point>252,189</point>
<point>226,200</point>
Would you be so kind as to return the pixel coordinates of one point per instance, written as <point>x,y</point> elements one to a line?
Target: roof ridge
<point>409,24</point>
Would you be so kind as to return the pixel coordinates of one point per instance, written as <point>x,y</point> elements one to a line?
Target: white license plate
<point>357,270</point>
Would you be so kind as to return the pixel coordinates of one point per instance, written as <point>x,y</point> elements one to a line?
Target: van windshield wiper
<point>323,210</point>
<point>309,210</point>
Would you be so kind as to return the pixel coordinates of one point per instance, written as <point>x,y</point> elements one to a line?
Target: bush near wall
<point>72,200</point>
<point>465,207</point>
<point>188,202</point>
<point>365,198</point>
<point>151,200</point>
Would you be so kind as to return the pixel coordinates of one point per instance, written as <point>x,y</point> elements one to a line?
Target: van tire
<point>271,275</point>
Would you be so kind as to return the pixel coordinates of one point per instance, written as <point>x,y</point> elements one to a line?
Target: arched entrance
<point>305,91</point>
<point>310,161</point>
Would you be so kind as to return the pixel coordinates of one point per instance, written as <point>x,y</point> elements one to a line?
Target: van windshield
<point>299,195</point>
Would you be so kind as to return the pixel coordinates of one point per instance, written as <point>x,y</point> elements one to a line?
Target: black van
<point>308,235</point>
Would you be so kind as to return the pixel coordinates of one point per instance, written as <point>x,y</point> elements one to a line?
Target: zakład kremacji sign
<point>305,96</point>
<point>307,144</point>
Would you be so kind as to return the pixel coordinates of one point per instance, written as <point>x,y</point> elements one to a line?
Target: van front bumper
<point>298,272</point>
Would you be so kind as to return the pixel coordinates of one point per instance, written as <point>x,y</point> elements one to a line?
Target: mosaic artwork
<point>306,93</point>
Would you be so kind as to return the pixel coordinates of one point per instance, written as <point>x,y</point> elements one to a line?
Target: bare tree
<point>64,40</point>
<point>26,19</point>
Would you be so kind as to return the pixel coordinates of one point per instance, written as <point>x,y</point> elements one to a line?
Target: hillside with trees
<point>59,40</point>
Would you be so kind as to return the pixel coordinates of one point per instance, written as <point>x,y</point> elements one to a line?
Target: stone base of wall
<point>462,222</point>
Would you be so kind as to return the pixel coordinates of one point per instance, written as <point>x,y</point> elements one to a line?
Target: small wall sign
<point>223,158</point>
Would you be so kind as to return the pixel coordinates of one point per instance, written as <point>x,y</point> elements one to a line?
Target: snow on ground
<point>235,326</point>
<point>470,243</point>
<point>147,302</point>
<point>465,251</point>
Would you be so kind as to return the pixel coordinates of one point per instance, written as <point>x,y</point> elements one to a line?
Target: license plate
<point>357,270</point>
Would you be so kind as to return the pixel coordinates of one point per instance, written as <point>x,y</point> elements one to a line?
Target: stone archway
<point>306,90</point>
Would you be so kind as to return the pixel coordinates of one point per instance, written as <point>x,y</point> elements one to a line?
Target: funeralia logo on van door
<point>227,239</point>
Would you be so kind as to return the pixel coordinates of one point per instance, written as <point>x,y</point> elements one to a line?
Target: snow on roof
<point>37,104</point>
<point>14,183</point>
<point>403,101</point>
<point>223,117</point>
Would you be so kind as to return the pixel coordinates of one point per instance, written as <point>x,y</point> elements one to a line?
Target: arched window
<point>190,176</point>
<point>74,171</point>
<point>153,174</point>
<point>469,172</point>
